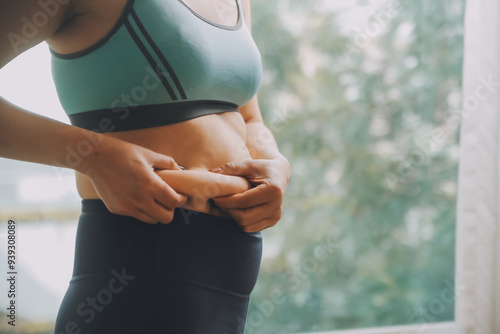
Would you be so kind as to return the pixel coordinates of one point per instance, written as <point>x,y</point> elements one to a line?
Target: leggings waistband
<point>97,205</point>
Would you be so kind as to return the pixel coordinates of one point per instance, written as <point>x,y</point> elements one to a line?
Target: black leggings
<point>191,276</point>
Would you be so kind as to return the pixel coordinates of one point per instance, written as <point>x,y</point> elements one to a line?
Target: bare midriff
<point>198,144</point>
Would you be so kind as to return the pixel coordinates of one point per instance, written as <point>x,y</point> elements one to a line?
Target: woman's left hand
<point>261,206</point>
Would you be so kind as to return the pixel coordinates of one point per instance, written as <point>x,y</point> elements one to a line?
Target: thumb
<point>236,168</point>
<point>161,161</point>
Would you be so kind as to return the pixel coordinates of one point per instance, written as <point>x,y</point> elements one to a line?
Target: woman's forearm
<point>262,145</point>
<point>30,137</point>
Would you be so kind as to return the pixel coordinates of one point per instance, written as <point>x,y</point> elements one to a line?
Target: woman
<point>150,86</point>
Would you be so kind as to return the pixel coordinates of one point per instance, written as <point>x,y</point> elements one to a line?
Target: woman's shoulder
<point>24,24</point>
<point>86,24</point>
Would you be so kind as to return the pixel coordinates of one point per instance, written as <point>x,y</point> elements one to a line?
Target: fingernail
<point>215,170</point>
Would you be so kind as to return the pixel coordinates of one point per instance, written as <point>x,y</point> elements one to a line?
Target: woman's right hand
<point>123,176</point>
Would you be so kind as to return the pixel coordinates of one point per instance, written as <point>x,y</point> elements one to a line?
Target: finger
<point>168,197</point>
<point>130,210</point>
<point>247,217</point>
<point>242,168</point>
<point>250,198</point>
<point>161,161</point>
<point>159,213</point>
<point>259,226</point>
<point>144,217</point>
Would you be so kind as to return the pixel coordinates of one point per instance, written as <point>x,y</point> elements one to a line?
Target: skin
<point>136,172</point>
<point>200,186</point>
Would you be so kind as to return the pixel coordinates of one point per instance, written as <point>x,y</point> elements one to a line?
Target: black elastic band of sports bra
<point>146,116</point>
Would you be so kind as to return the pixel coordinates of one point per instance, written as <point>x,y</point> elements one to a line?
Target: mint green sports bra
<point>161,64</point>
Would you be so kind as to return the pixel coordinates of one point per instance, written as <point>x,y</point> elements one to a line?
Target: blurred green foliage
<point>368,117</point>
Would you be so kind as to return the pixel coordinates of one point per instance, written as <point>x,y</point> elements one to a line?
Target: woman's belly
<point>198,145</point>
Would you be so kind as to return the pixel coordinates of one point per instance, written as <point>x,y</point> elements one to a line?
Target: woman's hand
<point>124,178</point>
<point>201,185</point>
<point>260,207</point>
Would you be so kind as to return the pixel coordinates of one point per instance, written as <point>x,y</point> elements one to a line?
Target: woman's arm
<point>122,173</point>
<point>269,171</point>
<point>200,186</point>
<point>25,135</point>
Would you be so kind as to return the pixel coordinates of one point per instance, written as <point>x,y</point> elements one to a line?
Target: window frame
<point>423,328</point>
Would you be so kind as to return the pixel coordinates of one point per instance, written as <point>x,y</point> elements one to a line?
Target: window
<point>362,99</point>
